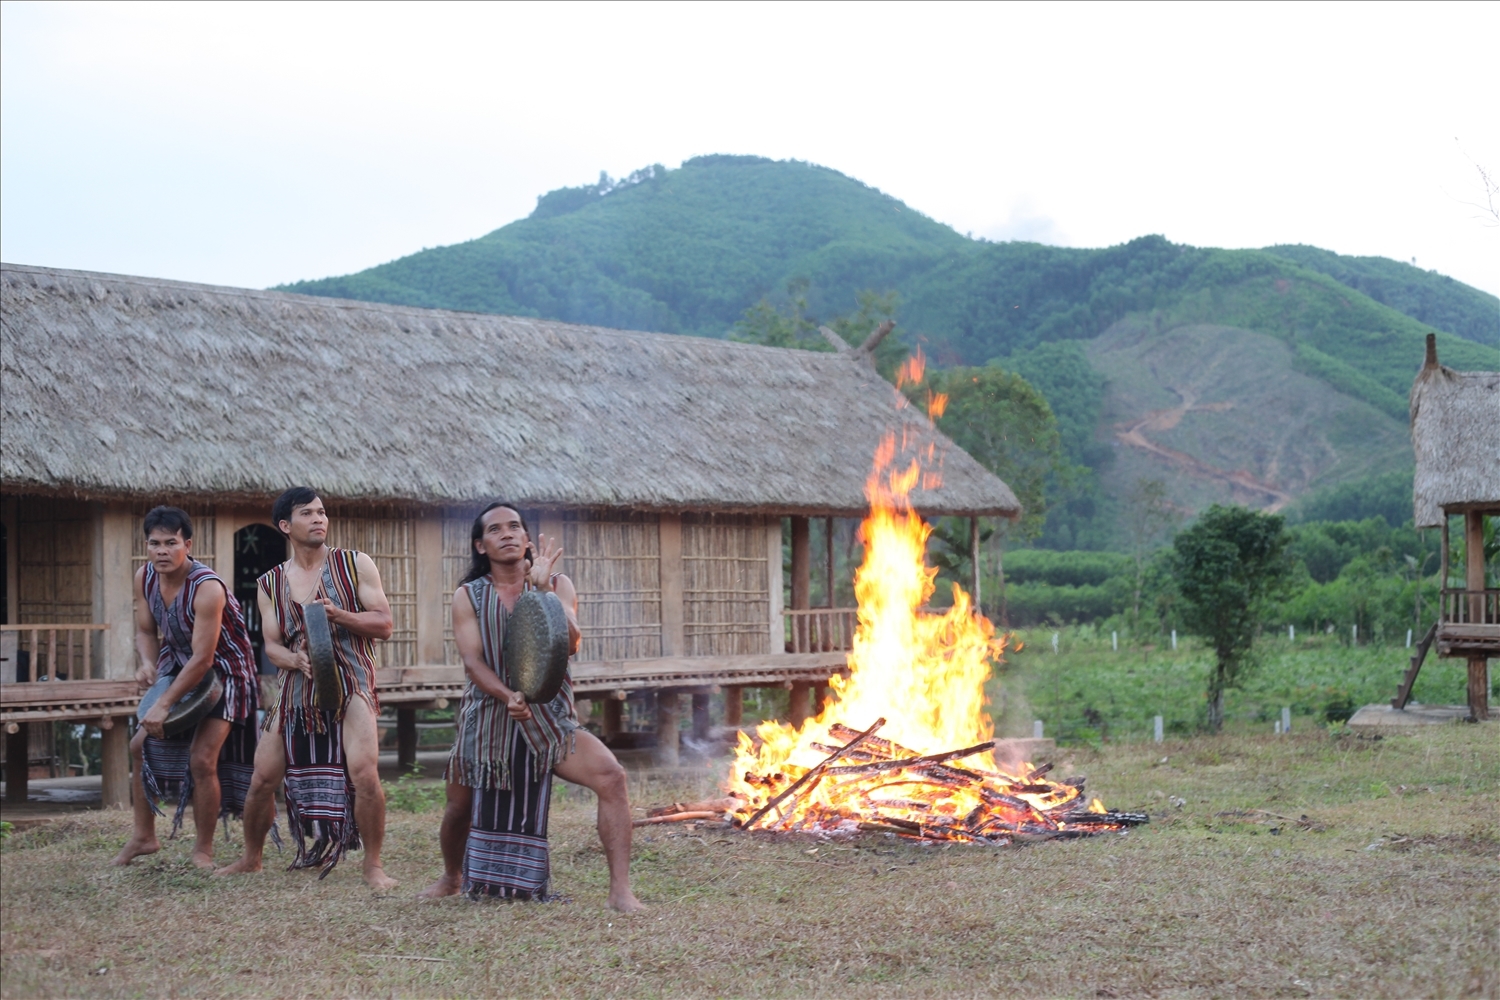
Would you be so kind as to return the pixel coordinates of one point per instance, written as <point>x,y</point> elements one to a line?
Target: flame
<point>924,673</point>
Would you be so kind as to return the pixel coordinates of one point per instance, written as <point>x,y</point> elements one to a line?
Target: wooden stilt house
<point>1455,431</point>
<point>671,467</point>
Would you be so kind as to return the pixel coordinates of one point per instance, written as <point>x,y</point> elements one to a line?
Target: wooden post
<point>10,515</point>
<point>673,631</point>
<point>700,717</point>
<point>406,737</point>
<point>776,586</point>
<point>614,717</point>
<point>734,705</point>
<point>114,588</point>
<point>974,561</point>
<point>17,763</point>
<point>819,698</point>
<point>801,580</point>
<point>797,711</point>
<point>114,765</point>
<point>1479,680</point>
<point>828,557</point>
<point>666,728</point>
<point>428,546</point>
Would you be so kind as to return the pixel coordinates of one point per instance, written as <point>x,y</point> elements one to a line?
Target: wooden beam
<point>974,566</point>
<point>114,767</point>
<point>406,738</point>
<point>17,763</point>
<point>673,636</point>
<point>801,578</point>
<point>700,715</point>
<point>431,586</point>
<point>839,343</point>
<point>776,586</point>
<point>875,337</point>
<point>797,709</point>
<point>1479,674</point>
<point>666,728</point>
<point>114,588</point>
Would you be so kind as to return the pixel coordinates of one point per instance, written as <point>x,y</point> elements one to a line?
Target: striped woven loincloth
<point>507,855</point>
<point>319,795</point>
<point>168,771</point>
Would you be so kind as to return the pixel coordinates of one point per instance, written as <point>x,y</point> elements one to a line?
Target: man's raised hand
<point>145,677</point>
<point>546,555</point>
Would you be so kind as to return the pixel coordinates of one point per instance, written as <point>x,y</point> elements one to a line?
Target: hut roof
<point>1455,430</point>
<point>126,386</point>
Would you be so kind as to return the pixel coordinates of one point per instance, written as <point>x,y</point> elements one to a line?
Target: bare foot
<point>377,879</point>
<point>202,859</point>
<point>244,866</point>
<point>448,885</point>
<point>135,848</point>
<point>624,900</point>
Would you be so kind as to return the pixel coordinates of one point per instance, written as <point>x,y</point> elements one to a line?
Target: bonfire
<point>904,744</point>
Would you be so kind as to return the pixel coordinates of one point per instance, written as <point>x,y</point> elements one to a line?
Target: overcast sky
<point>251,144</point>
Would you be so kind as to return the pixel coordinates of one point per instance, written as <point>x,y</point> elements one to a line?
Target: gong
<point>191,709</point>
<point>325,669</point>
<point>536,645</point>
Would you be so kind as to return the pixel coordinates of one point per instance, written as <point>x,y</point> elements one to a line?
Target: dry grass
<point>1389,888</point>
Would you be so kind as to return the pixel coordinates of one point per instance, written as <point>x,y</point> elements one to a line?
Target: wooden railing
<point>820,630</point>
<point>1471,607</point>
<point>54,651</point>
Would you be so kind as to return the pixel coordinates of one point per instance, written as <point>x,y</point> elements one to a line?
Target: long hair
<point>479,563</point>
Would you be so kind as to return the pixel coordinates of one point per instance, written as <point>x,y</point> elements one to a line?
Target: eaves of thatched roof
<point>133,387</point>
<point>1455,431</point>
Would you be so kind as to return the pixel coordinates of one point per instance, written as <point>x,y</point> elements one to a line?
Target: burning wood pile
<point>867,783</point>
<point>919,676</point>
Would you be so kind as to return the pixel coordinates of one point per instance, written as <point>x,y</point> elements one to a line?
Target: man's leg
<point>593,766</point>
<point>143,837</point>
<point>362,754</point>
<point>204,762</point>
<point>453,837</point>
<point>260,801</point>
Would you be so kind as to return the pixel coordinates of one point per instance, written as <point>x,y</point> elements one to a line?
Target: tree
<point>1229,567</point>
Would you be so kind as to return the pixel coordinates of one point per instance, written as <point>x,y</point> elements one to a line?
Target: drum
<point>325,669</point>
<point>536,646</point>
<point>191,710</point>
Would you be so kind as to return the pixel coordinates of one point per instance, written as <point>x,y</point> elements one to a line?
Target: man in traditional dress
<point>327,755</point>
<point>187,623</point>
<point>499,776</point>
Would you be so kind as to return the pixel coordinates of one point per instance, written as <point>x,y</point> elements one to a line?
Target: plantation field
<point>1315,864</point>
<point>1087,692</point>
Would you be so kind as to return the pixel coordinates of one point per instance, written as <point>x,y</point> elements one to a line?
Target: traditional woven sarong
<point>166,769</point>
<point>506,855</point>
<point>319,795</point>
<point>509,765</point>
<point>482,754</point>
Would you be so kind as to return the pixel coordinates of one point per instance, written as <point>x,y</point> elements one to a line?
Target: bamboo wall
<point>726,585</point>
<point>458,523</point>
<point>54,561</point>
<point>614,559</point>
<point>387,535</point>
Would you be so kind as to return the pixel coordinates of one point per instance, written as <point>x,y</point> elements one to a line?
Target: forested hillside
<point>1273,377</point>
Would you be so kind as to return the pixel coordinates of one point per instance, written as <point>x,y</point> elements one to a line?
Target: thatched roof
<point>121,386</point>
<point>1455,430</point>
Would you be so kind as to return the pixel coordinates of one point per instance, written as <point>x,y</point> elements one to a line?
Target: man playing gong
<point>327,755</point>
<point>499,775</point>
<point>187,626</point>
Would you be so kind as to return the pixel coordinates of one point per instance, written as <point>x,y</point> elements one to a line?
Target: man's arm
<point>548,556</point>
<point>208,618</point>
<point>270,629</point>
<point>147,642</point>
<point>374,622</point>
<point>471,648</point>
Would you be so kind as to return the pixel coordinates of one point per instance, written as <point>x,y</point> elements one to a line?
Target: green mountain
<point>1263,376</point>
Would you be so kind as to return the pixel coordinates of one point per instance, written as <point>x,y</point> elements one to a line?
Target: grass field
<point>1310,865</point>
<point>1088,692</point>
